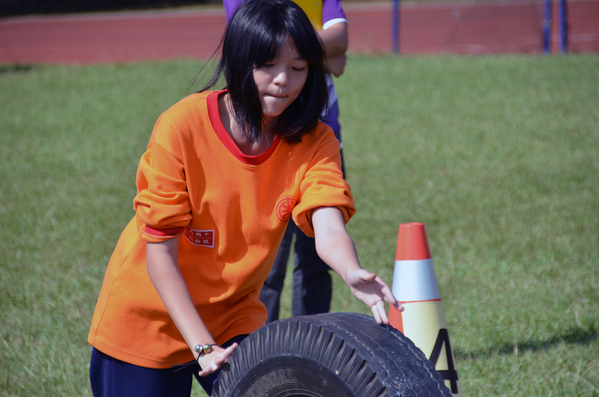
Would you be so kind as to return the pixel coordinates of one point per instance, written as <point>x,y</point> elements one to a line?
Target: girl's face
<point>281,80</point>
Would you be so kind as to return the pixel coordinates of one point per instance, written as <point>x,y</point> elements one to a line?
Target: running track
<point>158,35</point>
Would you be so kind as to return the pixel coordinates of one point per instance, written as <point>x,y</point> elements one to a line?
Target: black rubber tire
<point>328,355</point>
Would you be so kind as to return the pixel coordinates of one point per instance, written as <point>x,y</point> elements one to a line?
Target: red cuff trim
<point>172,232</point>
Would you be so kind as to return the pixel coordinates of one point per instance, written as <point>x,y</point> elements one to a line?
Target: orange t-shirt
<point>230,212</point>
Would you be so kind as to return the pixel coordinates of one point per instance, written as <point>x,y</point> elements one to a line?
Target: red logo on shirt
<point>201,238</point>
<point>284,207</point>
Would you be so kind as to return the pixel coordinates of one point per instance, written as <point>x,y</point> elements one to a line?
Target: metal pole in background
<point>547,27</point>
<point>562,26</point>
<point>395,28</point>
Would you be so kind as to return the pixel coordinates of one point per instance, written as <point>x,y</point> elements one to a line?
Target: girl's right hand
<point>213,361</point>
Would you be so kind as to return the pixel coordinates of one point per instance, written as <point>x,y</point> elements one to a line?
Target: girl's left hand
<point>213,361</point>
<point>373,291</point>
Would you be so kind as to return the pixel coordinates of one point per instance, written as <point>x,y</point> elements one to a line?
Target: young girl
<point>223,173</point>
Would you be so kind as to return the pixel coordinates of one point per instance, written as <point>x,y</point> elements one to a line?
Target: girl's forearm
<point>165,274</point>
<point>335,39</point>
<point>333,244</point>
<point>336,248</point>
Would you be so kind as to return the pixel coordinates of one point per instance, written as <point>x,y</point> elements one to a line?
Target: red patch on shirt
<point>201,238</point>
<point>284,207</point>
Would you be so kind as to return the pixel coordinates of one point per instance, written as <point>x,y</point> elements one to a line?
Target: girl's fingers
<point>378,311</point>
<point>208,370</point>
<point>383,313</point>
<point>390,298</point>
<point>376,316</point>
<point>378,290</point>
<point>229,351</point>
<point>366,276</point>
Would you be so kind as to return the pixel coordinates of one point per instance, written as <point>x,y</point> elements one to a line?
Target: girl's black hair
<point>253,38</point>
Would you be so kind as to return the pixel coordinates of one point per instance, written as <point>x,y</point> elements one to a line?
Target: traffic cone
<point>415,287</point>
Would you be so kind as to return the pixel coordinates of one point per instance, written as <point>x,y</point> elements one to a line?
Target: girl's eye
<point>298,69</point>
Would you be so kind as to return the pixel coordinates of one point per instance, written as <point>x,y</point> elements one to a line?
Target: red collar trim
<point>226,139</point>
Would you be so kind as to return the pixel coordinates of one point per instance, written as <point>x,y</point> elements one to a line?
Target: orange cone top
<point>412,244</point>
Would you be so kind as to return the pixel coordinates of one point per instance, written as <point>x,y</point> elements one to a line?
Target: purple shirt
<point>331,9</point>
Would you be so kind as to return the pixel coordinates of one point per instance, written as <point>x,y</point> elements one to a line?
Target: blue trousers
<point>110,377</point>
<point>312,284</point>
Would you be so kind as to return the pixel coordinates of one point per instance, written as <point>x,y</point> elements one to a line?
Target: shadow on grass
<point>578,336</point>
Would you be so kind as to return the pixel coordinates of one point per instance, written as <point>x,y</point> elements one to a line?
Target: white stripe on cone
<point>415,281</point>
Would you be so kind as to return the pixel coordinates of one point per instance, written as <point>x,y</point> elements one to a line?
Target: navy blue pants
<point>110,377</point>
<point>312,284</point>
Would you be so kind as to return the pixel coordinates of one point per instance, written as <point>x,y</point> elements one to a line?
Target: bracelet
<point>201,349</point>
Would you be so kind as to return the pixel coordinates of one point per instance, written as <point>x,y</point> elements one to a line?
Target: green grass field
<point>498,156</point>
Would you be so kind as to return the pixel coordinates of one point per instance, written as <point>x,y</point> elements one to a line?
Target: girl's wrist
<point>202,349</point>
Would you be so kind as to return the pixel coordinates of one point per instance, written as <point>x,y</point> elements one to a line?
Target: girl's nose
<point>282,78</point>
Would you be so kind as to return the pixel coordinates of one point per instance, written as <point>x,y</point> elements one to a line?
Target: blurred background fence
<point>491,26</point>
<point>402,26</point>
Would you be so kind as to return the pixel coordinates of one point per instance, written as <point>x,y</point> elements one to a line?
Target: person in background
<point>312,283</point>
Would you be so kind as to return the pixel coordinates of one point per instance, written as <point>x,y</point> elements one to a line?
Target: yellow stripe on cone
<point>415,286</point>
